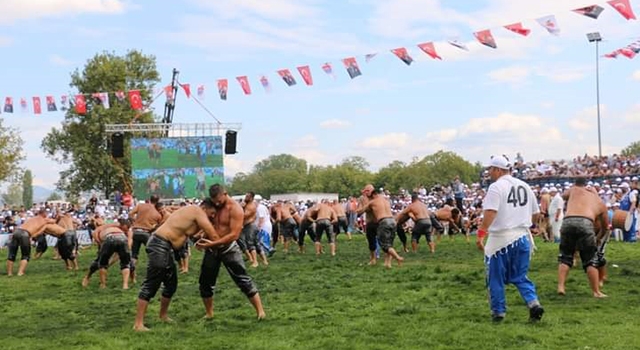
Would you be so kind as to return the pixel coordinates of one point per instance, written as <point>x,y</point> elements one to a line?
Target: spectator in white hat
<point>556,213</point>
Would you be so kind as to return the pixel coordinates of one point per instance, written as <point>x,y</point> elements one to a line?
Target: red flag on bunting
<point>288,78</point>
<point>518,29</point>
<point>403,55</point>
<point>187,89</point>
<point>135,99</point>
<point>37,108</point>
<point>486,38</point>
<point>328,69</point>
<point>244,83</point>
<point>613,54</point>
<point>627,52</point>
<point>305,72</point>
<point>51,104</point>
<point>430,50</point>
<point>8,105</point>
<point>623,7</point>
<point>23,104</point>
<point>200,91</point>
<point>223,88</point>
<point>81,104</point>
<point>168,92</point>
<point>351,65</point>
<point>592,11</point>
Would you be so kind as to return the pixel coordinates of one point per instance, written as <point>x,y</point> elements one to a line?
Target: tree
<point>10,152</point>
<point>81,142</point>
<point>27,189</point>
<point>392,177</point>
<point>54,196</point>
<point>632,150</point>
<point>13,194</point>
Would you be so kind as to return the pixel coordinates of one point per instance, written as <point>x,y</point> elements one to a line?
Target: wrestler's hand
<point>204,243</point>
<point>480,244</point>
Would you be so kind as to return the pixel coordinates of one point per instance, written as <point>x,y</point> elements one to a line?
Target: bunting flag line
<point>120,96</point>
<point>368,57</point>
<point>168,92</point>
<point>430,50</point>
<point>351,65</point>
<point>64,102</point>
<point>101,98</point>
<point>223,88</point>
<point>265,83</point>
<point>200,92</point>
<point>305,72</point>
<point>80,104</point>
<point>37,107</point>
<point>23,105</point>
<point>285,74</point>
<point>611,55</point>
<point>403,55</point>
<point>51,104</point>
<point>328,69</point>
<point>135,100</point>
<point>486,38</point>
<point>623,7</point>
<point>550,24</point>
<point>8,105</point>
<point>187,89</point>
<point>592,11</point>
<point>627,52</point>
<point>244,84</point>
<point>518,29</point>
<point>458,44</point>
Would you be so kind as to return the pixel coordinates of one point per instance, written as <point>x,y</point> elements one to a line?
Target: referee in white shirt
<point>509,209</point>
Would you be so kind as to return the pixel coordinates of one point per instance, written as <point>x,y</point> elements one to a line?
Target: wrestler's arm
<point>235,223</point>
<point>134,211</point>
<point>209,233</point>
<point>363,208</point>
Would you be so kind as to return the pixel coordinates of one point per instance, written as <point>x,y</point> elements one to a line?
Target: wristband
<point>482,233</point>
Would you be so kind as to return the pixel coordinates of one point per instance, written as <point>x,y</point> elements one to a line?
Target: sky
<point>535,95</point>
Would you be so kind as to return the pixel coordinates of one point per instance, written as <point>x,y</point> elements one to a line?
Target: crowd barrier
<point>83,239</point>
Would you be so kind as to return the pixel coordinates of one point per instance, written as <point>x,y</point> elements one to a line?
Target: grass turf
<point>432,302</point>
<point>171,159</point>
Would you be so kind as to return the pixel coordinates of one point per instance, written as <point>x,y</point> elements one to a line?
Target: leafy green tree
<point>392,177</point>
<point>27,189</point>
<point>81,142</point>
<point>10,152</point>
<point>54,196</point>
<point>13,194</point>
<point>632,150</point>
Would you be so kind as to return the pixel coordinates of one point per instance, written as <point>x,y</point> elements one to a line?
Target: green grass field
<point>171,159</point>
<point>433,302</point>
<point>141,190</point>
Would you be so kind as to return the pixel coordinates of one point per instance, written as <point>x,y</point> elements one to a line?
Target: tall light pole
<point>595,37</point>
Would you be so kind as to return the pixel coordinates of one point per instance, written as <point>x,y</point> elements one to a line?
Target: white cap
<point>553,189</point>
<point>635,178</point>
<point>499,162</point>
<point>545,190</point>
<point>626,178</point>
<point>624,185</point>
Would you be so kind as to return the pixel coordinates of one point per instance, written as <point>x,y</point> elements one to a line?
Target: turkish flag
<point>168,91</point>
<point>187,89</point>
<point>486,38</point>
<point>518,29</point>
<point>623,7</point>
<point>135,99</point>
<point>627,52</point>
<point>37,108</point>
<point>430,50</point>
<point>244,83</point>
<point>305,71</point>
<point>81,104</point>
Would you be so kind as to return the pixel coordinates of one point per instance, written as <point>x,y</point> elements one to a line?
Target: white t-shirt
<point>515,203</point>
<point>556,203</point>
<point>263,213</point>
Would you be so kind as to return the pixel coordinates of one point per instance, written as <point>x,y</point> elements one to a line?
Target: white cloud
<point>636,75</point>
<point>563,74</point>
<point>233,165</point>
<point>587,119</point>
<point>307,141</point>
<point>632,116</point>
<point>512,75</point>
<point>58,60</point>
<point>335,124</point>
<point>12,11</point>
<point>387,141</point>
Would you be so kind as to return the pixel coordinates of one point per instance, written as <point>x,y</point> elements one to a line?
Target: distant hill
<point>40,194</point>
